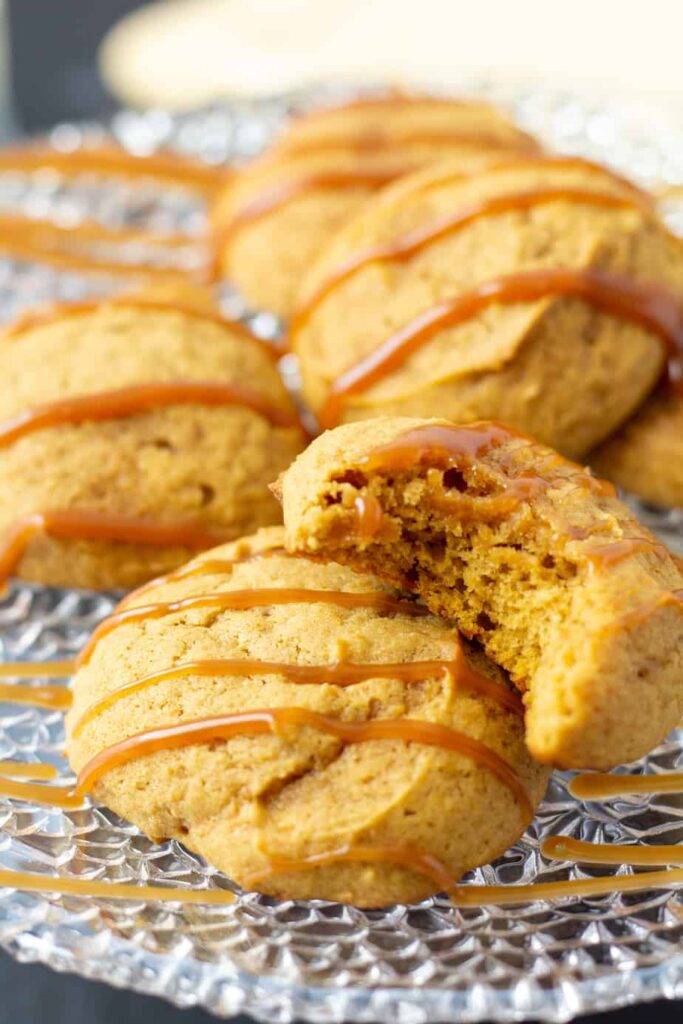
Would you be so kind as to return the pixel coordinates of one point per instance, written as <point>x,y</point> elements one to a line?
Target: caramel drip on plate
<point>53,698</point>
<point>505,895</point>
<point>140,398</point>
<point>52,796</point>
<point>402,249</point>
<point>600,786</point>
<point>63,797</point>
<point>77,524</point>
<point>244,599</point>
<point>81,247</point>
<point>402,856</point>
<point>647,305</point>
<point>26,770</point>
<point>341,674</point>
<point>272,720</point>
<point>37,669</point>
<point>613,552</point>
<point>278,196</point>
<point>110,159</point>
<point>66,311</point>
<point>29,882</point>
<point>564,848</point>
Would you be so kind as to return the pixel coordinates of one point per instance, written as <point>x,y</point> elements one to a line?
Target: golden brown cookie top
<point>435,238</point>
<point>290,636</point>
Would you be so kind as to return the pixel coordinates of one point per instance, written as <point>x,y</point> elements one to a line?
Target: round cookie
<point>645,456</point>
<point>527,553</point>
<point>257,805</point>
<point>274,217</point>
<point>179,418</point>
<point>521,294</point>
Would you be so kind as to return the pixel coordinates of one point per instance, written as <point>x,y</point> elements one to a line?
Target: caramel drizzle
<point>66,311</point>
<point>63,797</point>
<point>601,786</point>
<point>36,669</point>
<point>29,882</point>
<point>273,720</point>
<point>283,194</point>
<point>402,249</point>
<point>203,567</point>
<point>505,895</point>
<point>376,141</point>
<point>77,524</point>
<point>445,446</point>
<point>565,848</point>
<point>402,856</point>
<point>139,398</point>
<point>72,248</point>
<point>369,516</point>
<point>542,160</point>
<point>341,674</point>
<point>114,160</point>
<point>243,600</point>
<point>649,306</point>
<point>613,552</point>
<point>52,698</point>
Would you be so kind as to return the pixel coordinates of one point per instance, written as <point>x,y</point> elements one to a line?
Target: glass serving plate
<point>317,961</point>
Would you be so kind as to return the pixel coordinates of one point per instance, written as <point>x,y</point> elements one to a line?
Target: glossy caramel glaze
<point>601,786</point>
<point>91,889</point>
<point>111,159</point>
<point>85,525</point>
<point>81,247</point>
<point>277,196</point>
<point>565,848</point>
<point>37,669</point>
<point>274,720</point>
<point>244,599</point>
<point>648,305</point>
<point>66,310</point>
<point>406,246</point>
<point>414,860</point>
<point>444,446</point>
<point>140,398</point>
<point>341,674</point>
<point>54,698</point>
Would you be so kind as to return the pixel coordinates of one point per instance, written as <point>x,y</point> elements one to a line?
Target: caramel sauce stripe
<point>111,159</point>
<point>649,306</point>
<point>599,786</point>
<point>403,248</point>
<point>64,311</point>
<point>87,525</point>
<point>340,674</point>
<point>140,398</point>
<point>244,600</point>
<point>273,720</point>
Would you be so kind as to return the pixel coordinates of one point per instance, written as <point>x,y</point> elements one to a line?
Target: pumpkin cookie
<point>529,554</point>
<point>275,216</point>
<point>357,751</point>
<point>646,455</point>
<point>132,432</point>
<point>539,293</point>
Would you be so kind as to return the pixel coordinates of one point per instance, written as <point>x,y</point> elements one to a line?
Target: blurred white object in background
<point>180,53</point>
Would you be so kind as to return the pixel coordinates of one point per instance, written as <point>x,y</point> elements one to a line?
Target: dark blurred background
<point>53,77</point>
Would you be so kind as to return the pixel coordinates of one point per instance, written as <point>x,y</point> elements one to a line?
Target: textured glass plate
<point>317,961</point>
